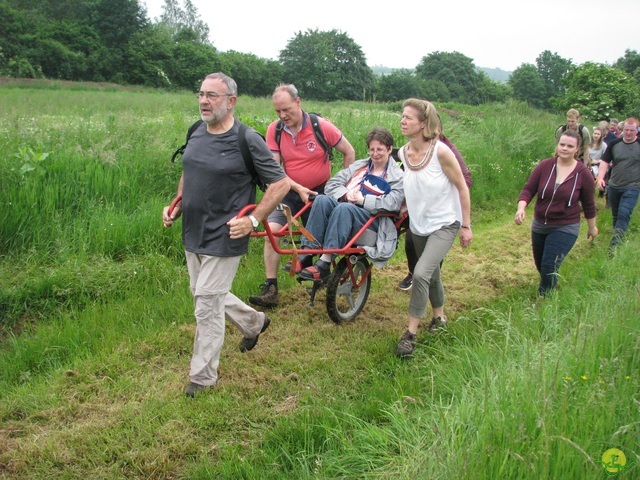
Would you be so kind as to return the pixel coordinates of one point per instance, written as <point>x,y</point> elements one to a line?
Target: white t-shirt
<point>432,200</point>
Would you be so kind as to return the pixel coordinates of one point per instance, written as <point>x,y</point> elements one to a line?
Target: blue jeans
<point>622,201</point>
<point>549,250</point>
<point>334,223</point>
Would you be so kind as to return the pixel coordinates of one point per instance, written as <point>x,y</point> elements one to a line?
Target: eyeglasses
<point>378,150</point>
<point>211,96</point>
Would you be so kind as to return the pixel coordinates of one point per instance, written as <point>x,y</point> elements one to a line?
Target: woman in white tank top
<point>439,207</point>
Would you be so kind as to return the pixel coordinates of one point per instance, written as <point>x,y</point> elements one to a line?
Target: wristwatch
<point>254,221</point>
<point>466,226</point>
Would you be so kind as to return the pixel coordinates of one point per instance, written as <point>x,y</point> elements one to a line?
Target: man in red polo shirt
<point>307,166</point>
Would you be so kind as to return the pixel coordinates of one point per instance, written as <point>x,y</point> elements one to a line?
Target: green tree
<point>630,63</point>
<point>190,63</point>
<point>398,85</point>
<point>13,28</point>
<point>116,21</point>
<point>600,91</point>
<point>435,91</point>
<point>117,24</point>
<point>456,71</point>
<point>177,19</point>
<point>255,76</point>
<point>492,91</point>
<point>148,55</point>
<point>553,69</point>
<point>326,66</point>
<point>528,86</point>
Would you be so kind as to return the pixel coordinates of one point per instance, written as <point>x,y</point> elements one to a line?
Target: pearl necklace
<point>425,159</point>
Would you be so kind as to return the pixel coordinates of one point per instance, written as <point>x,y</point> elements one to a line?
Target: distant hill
<point>495,74</point>
<point>382,70</point>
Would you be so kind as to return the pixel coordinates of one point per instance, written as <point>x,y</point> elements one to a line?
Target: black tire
<point>344,300</point>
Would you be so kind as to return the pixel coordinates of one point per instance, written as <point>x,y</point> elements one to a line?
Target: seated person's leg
<point>345,221</point>
<point>321,211</point>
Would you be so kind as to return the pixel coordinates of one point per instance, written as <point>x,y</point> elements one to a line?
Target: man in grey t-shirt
<point>215,185</point>
<point>623,157</point>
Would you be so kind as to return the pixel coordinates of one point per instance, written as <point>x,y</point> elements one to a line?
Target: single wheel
<point>346,299</point>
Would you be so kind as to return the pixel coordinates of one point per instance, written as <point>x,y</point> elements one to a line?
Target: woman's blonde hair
<point>426,113</point>
<point>597,144</point>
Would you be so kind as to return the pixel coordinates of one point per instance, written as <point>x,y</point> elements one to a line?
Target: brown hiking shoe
<point>248,343</point>
<point>436,323</point>
<point>268,297</point>
<point>406,345</point>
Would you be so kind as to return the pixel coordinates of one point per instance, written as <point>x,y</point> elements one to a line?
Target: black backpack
<point>244,149</point>
<point>317,131</point>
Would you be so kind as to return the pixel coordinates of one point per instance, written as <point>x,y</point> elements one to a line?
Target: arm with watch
<point>275,192</point>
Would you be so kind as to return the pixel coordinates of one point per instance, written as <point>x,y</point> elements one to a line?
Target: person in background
<point>596,149</point>
<point>307,166</point>
<point>363,189</point>
<point>622,159</point>
<point>573,124</point>
<point>439,208</point>
<point>215,185</point>
<point>615,129</point>
<point>561,184</point>
<point>613,132</point>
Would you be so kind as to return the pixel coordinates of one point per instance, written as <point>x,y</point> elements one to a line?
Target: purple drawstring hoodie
<point>562,205</point>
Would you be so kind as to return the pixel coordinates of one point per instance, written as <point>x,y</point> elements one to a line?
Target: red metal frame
<point>348,249</point>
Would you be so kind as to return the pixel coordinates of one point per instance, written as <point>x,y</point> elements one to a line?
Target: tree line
<point>114,41</point>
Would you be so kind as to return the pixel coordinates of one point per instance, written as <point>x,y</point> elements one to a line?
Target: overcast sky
<point>494,33</point>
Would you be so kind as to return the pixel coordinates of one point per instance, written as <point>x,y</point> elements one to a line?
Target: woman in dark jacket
<point>562,184</point>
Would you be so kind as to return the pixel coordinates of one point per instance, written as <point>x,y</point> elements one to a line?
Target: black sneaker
<point>318,271</point>
<point>303,262</point>
<point>268,297</point>
<point>248,343</point>
<point>406,283</point>
<point>406,345</point>
<point>193,389</point>
<point>436,323</point>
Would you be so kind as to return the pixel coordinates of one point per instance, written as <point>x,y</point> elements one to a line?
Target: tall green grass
<point>97,325</point>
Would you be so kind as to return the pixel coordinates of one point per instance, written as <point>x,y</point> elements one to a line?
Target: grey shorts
<point>295,203</point>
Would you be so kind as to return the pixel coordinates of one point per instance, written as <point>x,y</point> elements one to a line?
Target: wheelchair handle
<point>174,203</point>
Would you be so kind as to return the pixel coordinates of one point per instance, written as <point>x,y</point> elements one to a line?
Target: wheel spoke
<point>345,289</point>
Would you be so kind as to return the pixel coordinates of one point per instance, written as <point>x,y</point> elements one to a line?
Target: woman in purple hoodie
<point>562,184</point>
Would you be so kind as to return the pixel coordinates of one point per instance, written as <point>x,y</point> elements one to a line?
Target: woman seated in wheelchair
<point>351,197</point>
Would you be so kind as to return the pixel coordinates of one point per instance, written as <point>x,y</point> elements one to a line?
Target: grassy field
<point>97,325</point>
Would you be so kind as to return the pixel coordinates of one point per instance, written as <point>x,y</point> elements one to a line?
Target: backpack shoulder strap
<point>278,132</point>
<point>181,150</point>
<point>247,157</point>
<point>317,130</point>
<point>193,128</point>
<point>395,155</point>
